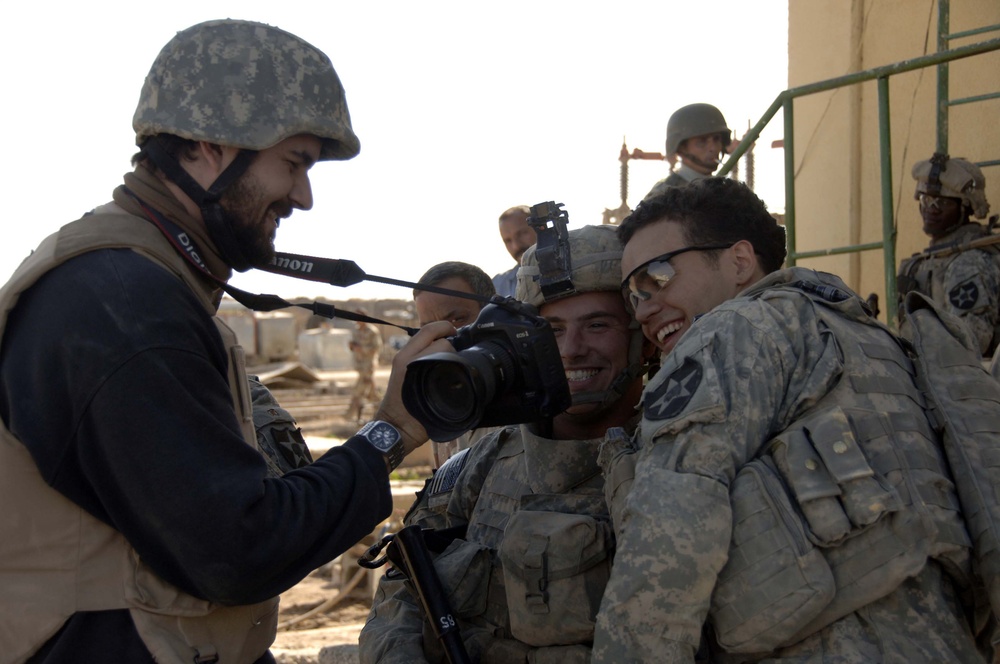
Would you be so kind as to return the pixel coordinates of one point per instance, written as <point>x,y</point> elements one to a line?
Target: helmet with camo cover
<point>595,260</point>
<point>243,85</point>
<point>952,177</point>
<point>247,85</point>
<point>595,266</point>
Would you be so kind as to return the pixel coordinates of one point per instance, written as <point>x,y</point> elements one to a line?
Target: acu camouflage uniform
<point>684,123</point>
<point>966,284</point>
<point>278,437</point>
<point>790,496</point>
<point>526,581</point>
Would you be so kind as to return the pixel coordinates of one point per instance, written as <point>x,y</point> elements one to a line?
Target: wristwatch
<point>386,439</point>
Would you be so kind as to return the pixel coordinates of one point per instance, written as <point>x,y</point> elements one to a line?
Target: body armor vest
<point>847,502</point>
<point>56,559</point>
<point>926,274</point>
<point>543,538</point>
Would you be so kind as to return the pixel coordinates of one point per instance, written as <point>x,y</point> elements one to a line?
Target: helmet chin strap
<point>217,221</point>
<point>711,166</point>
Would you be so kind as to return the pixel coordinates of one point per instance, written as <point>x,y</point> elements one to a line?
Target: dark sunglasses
<point>655,274</point>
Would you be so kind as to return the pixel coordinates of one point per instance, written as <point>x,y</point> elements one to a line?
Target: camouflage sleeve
<point>617,461</point>
<point>394,633</point>
<point>905,281</point>
<point>716,400</point>
<point>972,291</point>
<point>395,630</point>
<point>278,437</point>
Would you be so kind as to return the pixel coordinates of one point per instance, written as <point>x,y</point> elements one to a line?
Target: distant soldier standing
<point>365,344</point>
<point>965,283</point>
<point>698,135</point>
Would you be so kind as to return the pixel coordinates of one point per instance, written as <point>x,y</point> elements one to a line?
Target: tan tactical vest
<point>56,559</point>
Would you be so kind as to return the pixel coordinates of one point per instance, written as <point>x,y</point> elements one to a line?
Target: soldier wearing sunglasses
<point>966,283</point>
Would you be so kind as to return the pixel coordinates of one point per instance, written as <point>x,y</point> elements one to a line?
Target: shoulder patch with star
<point>964,296</point>
<point>673,395</point>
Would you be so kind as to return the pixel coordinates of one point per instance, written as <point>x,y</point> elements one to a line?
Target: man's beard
<point>246,214</point>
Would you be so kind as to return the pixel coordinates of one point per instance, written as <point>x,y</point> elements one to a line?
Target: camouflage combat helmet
<point>695,120</point>
<point>595,266</point>
<point>244,85</point>
<point>955,178</point>
<point>247,85</point>
<point>595,258</point>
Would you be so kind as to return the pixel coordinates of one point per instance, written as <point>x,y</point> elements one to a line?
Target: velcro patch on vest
<point>964,296</point>
<point>673,395</point>
<point>446,477</point>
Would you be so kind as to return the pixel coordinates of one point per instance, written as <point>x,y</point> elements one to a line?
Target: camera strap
<point>185,245</point>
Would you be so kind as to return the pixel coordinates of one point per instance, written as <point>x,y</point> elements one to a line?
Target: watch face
<point>383,436</point>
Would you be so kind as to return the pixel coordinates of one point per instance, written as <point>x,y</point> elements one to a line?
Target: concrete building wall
<point>836,134</point>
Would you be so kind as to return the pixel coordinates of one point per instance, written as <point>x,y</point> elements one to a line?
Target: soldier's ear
<point>745,263</point>
<point>211,159</point>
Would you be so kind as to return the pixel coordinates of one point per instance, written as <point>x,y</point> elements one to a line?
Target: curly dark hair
<point>714,211</point>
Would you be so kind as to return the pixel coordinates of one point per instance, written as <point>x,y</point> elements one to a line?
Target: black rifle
<point>410,555</point>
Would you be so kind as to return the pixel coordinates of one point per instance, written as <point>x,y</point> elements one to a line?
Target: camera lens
<point>449,392</point>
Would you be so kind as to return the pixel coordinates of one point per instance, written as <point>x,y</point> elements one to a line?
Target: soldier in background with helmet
<point>698,135</point>
<point>141,521</point>
<point>965,283</point>
<point>531,493</point>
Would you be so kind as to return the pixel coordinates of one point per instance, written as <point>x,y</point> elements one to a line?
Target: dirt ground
<point>301,642</point>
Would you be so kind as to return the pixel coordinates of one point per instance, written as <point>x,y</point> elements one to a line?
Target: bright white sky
<point>463,110</point>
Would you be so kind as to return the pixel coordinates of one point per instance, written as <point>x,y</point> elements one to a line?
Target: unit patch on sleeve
<point>964,296</point>
<point>673,395</point>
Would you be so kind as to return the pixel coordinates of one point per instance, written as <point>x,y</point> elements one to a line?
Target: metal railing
<point>784,101</point>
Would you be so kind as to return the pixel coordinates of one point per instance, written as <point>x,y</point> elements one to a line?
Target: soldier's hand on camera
<point>430,339</point>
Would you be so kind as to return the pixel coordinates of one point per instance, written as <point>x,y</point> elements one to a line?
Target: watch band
<point>395,453</point>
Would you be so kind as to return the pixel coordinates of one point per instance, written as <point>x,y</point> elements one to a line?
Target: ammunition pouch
<point>769,545</point>
<point>556,566</point>
<point>817,534</point>
<point>464,569</point>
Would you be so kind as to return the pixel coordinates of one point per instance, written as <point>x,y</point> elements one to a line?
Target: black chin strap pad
<point>216,220</point>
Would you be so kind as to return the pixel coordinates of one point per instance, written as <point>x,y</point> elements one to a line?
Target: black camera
<point>506,370</point>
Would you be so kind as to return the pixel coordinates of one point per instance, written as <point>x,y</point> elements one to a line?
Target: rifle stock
<point>409,553</point>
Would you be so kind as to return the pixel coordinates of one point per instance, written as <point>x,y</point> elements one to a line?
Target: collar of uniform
<point>814,284</point>
<point>152,191</point>
<point>689,173</point>
<point>556,466</point>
